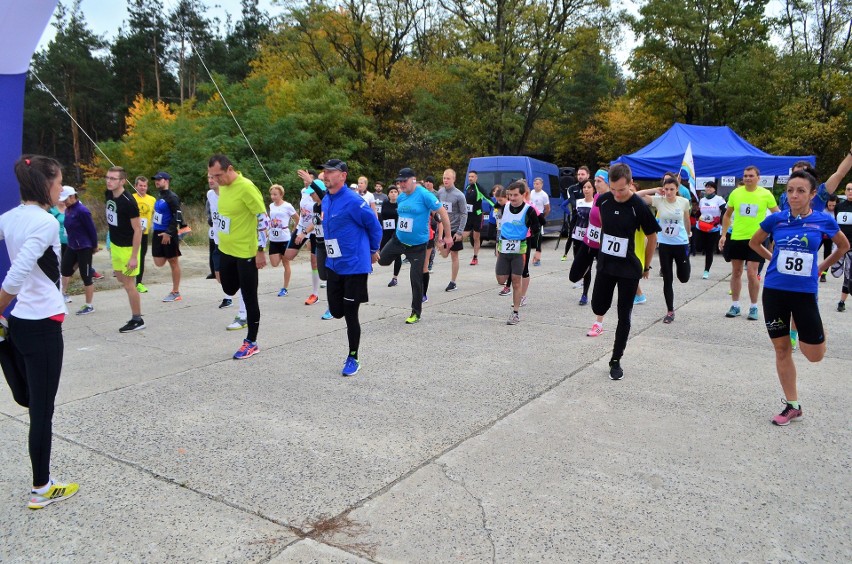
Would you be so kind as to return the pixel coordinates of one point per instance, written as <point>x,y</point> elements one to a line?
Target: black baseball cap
<point>162,175</point>
<point>430,178</point>
<point>335,164</point>
<point>405,174</point>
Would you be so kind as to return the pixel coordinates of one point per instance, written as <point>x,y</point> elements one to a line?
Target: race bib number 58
<point>795,263</point>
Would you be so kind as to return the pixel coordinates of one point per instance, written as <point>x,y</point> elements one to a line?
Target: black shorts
<point>82,258</point>
<point>159,250</point>
<point>216,256</point>
<point>314,245</point>
<point>346,288</point>
<point>474,222</point>
<point>278,247</point>
<point>510,263</point>
<point>457,246</point>
<point>293,245</point>
<point>738,249</point>
<point>781,305</point>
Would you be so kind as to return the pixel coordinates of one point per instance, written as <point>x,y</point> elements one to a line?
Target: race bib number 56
<point>594,234</point>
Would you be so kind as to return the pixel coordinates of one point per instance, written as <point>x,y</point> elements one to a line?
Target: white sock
<point>243,313</point>
<point>315,279</point>
<point>753,305</point>
<point>44,489</point>
<point>735,304</point>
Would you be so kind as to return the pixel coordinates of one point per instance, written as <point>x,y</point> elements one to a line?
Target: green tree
<point>684,46</point>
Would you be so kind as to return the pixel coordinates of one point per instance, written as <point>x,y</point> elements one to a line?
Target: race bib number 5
<point>614,246</point>
<point>748,210</point>
<point>404,224</point>
<point>510,246</point>
<point>795,263</point>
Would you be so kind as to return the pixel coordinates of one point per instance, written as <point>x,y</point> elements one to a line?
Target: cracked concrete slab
<point>309,551</point>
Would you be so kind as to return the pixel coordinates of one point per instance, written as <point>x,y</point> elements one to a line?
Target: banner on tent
<point>701,180</point>
<point>729,181</point>
<point>766,181</point>
<point>783,180</point>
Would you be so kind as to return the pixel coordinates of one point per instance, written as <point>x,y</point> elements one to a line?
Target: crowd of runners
<point>614,230</point>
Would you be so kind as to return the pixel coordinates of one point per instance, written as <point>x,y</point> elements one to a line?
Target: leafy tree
<point>190,32</point>
<point>81,82</point>
<point>678,65</point>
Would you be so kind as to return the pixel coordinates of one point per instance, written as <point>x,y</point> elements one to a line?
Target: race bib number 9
<point>212,233</point>
<point>158,218</point>
<point>844,218</point>
<point>748,210</point>
<point>614,246</point>
<point>223,224</point>
<point>510,246</point>
<point>405,224</point>
<point>332,249</point>
<point>594,234</point>
<point>795,263</point>
<point>389,224</point>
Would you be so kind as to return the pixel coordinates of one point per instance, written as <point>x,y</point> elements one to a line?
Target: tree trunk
<point>156,67</point>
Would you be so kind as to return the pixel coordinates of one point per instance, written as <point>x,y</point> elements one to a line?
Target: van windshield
<point>487,179</point>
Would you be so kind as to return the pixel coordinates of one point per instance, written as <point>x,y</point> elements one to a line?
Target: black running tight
<point>602,295</point>
<point>37,347</point>
<point>677,255</point>
<point>240,275</point>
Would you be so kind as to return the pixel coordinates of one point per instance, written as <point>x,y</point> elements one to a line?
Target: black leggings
<point>676,254</point>
<point>602,294</point>
<point>240,275</point>
<point>143,251</point>
<point>397,262</point>
<point>587,278</point>
<point>710,241</point>
<point>33,376</point>
<point>211,248</point>
<point>584,257</point>
<point>415,254</point>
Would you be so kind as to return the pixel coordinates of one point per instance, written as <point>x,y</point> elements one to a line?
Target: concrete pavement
<point>461,439</point>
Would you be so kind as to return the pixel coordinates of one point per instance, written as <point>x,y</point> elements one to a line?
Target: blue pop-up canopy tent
<point>717,151</point>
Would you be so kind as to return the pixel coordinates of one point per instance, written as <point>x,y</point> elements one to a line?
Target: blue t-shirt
<point>412,226</point>
<point>795,260</point>
<point>817,204</point>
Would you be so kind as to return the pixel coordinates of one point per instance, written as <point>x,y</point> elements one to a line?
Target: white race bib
<point>844,218</point>
<point>277,235</point>
<point>470,208</point>
<point>485,217</point>
<point>223,224</point>
<point>510,246</point>
<point>794,263</point>
<point>378,206</point>
<point>158,218</point>
<point>112,217</point>
<point>671,227</point>
<point>447,206</point>
<point>579,233</point>
<point>318,231</point>
<point>389,224</point>
<point>748,210</point>
<point>594,234</point>
<point>614,246</point>
<point>332,249</point>
<point>143,221</point>
<point>212,233</point>
<point>404,224</point>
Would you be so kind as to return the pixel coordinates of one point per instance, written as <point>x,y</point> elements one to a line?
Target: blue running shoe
<point>351,366</point>
<point>327,315</point>
<point>282,292</point>
<point>247,350</point>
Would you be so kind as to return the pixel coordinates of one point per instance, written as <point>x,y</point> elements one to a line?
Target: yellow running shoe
<point>57,492</point>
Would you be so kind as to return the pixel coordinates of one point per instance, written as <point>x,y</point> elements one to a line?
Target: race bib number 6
<point>795,263</point>
<point>748,210</point>
<point>510,246</point>
<point>404,224</point>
